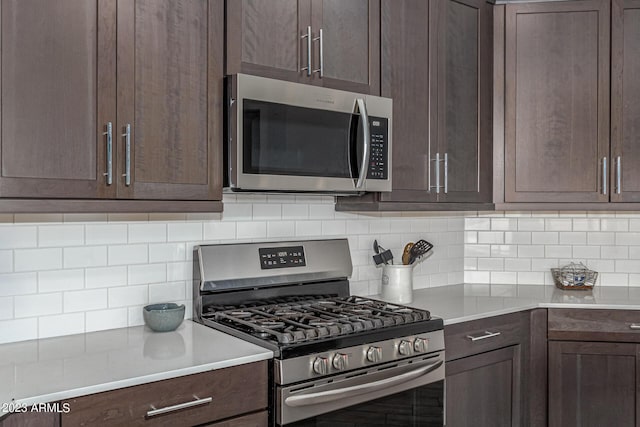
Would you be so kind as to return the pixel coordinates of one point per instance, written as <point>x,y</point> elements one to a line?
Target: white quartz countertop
<point>48,370</point>
<point>461,303</point>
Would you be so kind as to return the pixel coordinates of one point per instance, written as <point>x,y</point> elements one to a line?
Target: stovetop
<point>297,320</point>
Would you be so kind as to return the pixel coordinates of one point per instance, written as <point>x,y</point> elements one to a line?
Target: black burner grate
<point>298,319</point>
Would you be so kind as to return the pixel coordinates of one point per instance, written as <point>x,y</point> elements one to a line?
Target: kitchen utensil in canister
<point>382,256</point>
<point>406,253</point>
<point>419,248</point>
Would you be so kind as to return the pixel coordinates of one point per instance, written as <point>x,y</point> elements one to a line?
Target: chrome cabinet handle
<point>446,173</point>
<point>634,326</point>
<point>321,40</point>
<point>618,175</point>
<point>308,37</point>
<point>364,120</point>
<point>109,172</point>
<point>127,162</point>
<point>356,390</point>
<point>604,175</point>
<point>198,402</point>
<point>483,336</point>
<point>437,186</point>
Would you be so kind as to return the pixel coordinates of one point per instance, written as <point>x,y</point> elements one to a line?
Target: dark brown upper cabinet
<point>113,101</point>
<point>625,100</point>
<point>331,43</point>
<point>437,68</point>
<point>557,102</point>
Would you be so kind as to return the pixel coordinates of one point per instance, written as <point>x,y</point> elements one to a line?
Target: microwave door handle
<point>366,136</point>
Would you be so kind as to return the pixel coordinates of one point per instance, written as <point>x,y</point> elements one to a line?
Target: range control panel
<point>283,257</point>
<point>378,161</point>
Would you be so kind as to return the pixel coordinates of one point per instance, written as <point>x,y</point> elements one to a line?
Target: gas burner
<point>297,320</point>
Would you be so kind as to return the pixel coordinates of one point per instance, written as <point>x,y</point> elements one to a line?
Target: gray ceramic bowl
<point>163,317</point>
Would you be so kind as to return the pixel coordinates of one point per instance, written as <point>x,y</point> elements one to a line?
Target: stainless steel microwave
<point>283,136</point>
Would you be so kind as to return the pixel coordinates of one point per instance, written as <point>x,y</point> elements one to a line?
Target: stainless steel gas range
<point>339,359</point>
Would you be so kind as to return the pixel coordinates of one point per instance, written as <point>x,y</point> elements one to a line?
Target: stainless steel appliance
<point>339,358</point>
<point>284,136</point>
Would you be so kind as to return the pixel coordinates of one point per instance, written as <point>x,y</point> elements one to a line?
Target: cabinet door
<point>593,384</point>
<point>625,100</point>
<point>350,54</point>
<point>465,44</point>
<point>485,390</point>
<point>557,101</point>
<point>407,61</point>
<point>265,38</point>
<point>170,68</point>
<point>58,93</point>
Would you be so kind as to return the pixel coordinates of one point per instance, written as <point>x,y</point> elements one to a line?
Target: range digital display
<point>291,256</point>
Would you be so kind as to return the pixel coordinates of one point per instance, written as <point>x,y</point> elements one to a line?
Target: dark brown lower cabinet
<point>31,419</point>
<point>484,390</point>
<point>593,384</point>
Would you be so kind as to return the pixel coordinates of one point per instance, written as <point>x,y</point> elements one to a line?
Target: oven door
<point>291,137</point>
<point>410,393</point>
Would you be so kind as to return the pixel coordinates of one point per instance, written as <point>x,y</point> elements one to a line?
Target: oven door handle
<point>347,392</point>
<point>366,137</point>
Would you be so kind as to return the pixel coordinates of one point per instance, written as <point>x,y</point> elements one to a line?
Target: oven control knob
<point>321,366</point>
<point>340,361</point>
<point>374,354</point>
<point>404,348</point>
<point>420,345</point>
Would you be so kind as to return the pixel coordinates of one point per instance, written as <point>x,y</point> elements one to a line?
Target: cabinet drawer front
<point>478,336</point>
<point>178,401</point>
<point>260,419</point>
<point>594,325</point>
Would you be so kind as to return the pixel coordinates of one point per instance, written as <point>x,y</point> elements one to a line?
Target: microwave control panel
<point>379,158</point>
<point>290,256</point>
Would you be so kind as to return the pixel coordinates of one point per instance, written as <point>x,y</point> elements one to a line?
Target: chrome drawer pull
<point>634,326</point>
<point>484,336</point>
<point>179,406</point>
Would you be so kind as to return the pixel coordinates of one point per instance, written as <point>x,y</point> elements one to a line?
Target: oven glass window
<point>286,140</point>
<point>419,407</point>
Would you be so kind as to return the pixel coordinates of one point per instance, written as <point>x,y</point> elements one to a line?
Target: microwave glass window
<point>281,139</point>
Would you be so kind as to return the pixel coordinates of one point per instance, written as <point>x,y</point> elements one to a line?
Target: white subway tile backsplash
<point>184,232</point>
<point>323,211</point>
<point>61,235</point>
<point>18,284</point>
<point>37,305</point>
<point>105,277</point>
<point>146,273</point>
<point>544,238</point>
<point>558,224</point>
<point>531,224</point>
<point>562,251</point>
<point>517,264</point>
<point>6,261</point>
<point>85,256</point>
<point>504,251</point>
<point>517,237</point>
<point>334,228</point>
<point>628,266</point>
<point>167,252</point>
<point>106,319</point>
<point>80,301</point>
<point>177,271</point>
<point>601,238</point>
<point>147,233</point>
<point>252,230</point>
<point>614,224</point>
<point>530,251</point>
<point>477,250</point>
<point>267,211</point>
<point>491,264</point>
<point>308,228</point>
<point>18,237</point>
<point>615,252</point>
<point>504,224</point>
<point>613,279</point>
<point>531,278</point>
<point>6,308</point>
<point>128,296</point>
<point>503,277</point>
<point>18,330</point>
<point>219,231</point>
<point>237,212</point>
<point>586,224</point>
<point>60,280</point>
<point>61,324</point>
<point>477,277</point>
<point>586,252</point>
<point>280,229</point>
<point>37,259</point>
<point>573,238</point>
<point>495,237</point>
<point>167,292</point>
<point>628,239</point>
<point>128,254</point>
<point>478,224</point>
<point>106,234</point>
